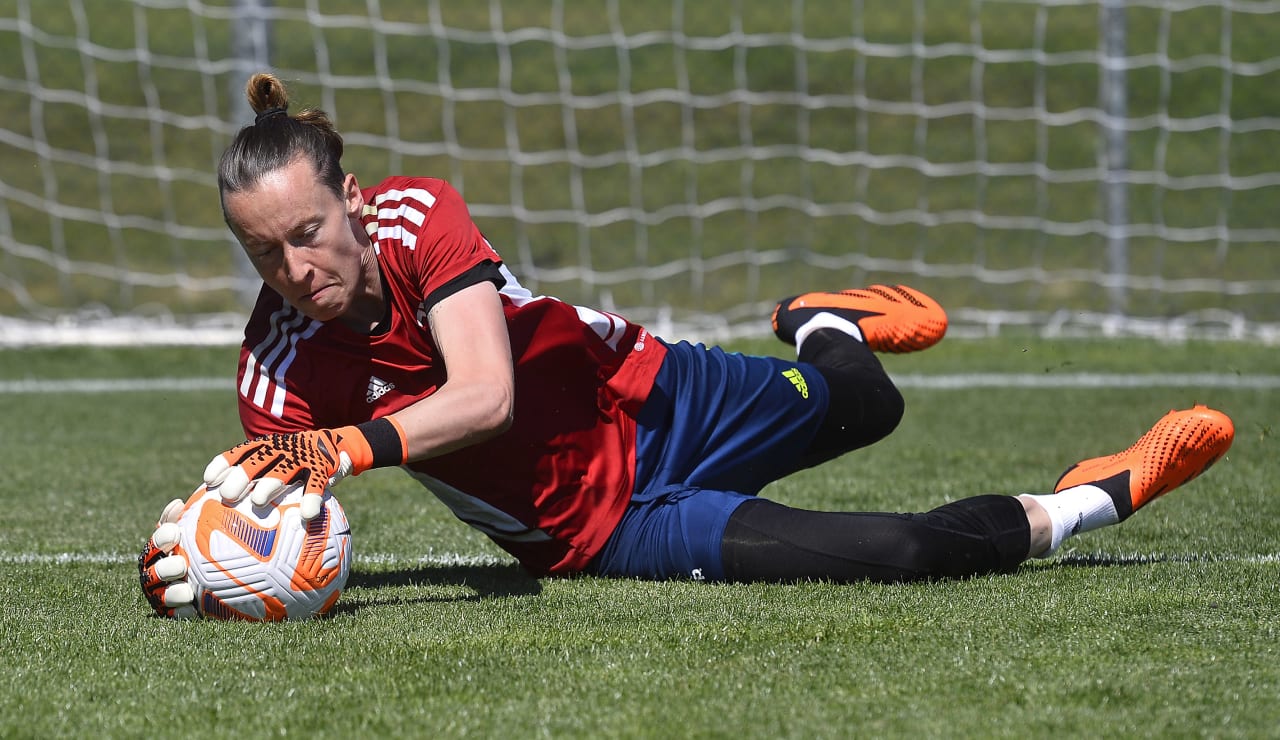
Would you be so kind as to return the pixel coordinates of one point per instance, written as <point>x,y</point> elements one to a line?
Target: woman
<point>389,332</point>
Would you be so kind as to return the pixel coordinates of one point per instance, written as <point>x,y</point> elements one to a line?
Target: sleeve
<point>450,251</point>
<point>485,271</point>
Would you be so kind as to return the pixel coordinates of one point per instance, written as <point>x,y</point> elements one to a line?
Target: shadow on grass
<point>483,581</point>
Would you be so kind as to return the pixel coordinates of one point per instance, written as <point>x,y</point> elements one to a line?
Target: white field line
<point>951,381</point>
<point>964,381</point>
<point>116,385</point>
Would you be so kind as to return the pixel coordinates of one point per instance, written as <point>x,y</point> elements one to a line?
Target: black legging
<point>864,405</point>
<point>766,541</point>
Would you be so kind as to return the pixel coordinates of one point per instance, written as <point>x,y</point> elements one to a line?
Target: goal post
<point>1067,167</point>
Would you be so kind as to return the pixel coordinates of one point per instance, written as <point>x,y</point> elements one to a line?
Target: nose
<point>296,265</point>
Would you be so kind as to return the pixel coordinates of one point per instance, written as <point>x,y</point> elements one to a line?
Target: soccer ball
<point>264,563</point>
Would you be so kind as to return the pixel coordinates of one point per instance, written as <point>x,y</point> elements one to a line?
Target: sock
<point>1077,509</point>
<point>826,320</point>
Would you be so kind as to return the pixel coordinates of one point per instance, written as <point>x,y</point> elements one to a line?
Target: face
<point>305,242</point>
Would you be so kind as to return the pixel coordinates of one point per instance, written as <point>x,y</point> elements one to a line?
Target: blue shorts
<point>716,428</point>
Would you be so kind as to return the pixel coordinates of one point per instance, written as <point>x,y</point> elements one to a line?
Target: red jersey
<point>551,489</point>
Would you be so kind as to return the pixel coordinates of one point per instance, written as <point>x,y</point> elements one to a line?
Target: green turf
<point>1165,626</point>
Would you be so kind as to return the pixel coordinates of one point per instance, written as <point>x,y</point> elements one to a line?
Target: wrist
<point>372,444</point>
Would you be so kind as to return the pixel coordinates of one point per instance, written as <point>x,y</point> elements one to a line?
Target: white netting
<point>685,163</point>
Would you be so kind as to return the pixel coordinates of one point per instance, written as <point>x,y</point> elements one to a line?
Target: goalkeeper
<point>389,332</point>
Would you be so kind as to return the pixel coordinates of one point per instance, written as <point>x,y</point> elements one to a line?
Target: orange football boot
<point>892,318</point>
<point>1179,447</point>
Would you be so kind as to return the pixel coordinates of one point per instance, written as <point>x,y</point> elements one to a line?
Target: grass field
<point>1165,626</point>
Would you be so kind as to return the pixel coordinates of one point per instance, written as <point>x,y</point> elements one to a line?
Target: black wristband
<point>385,442</point>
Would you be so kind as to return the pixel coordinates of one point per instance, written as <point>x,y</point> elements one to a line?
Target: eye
<point>261,254</point>
<point>308,235</point>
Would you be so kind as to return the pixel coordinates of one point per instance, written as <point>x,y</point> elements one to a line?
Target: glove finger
<point>233,486</point>
<point>260,458</point>
<point>345,466</point>
<point>172,568</point>
<point>216,470</point>
<point>156,578</point>
<point>166,537</point>
<point>172,511</point>
<point>155,597</point>
<point>310,505</point>
<point>265,490</point>
<point>150,555</point>
<point>179,594</point>
<point>152,585</point>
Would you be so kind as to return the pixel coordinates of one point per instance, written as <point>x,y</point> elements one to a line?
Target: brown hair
<point>276,138</point>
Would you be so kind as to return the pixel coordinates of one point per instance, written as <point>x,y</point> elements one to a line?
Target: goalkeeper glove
<point>313,459</point>
<point>162,568</point>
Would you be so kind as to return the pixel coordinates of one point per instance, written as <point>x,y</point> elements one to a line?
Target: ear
<point>352,198</point>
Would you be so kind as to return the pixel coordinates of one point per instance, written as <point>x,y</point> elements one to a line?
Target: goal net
<point>1058,166</point>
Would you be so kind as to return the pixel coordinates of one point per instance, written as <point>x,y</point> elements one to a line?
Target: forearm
<point>454,417</point>
<point>476,402</point>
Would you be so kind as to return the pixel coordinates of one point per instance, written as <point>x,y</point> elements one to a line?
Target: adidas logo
<point>797,380</point>
<point>377,389</point>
